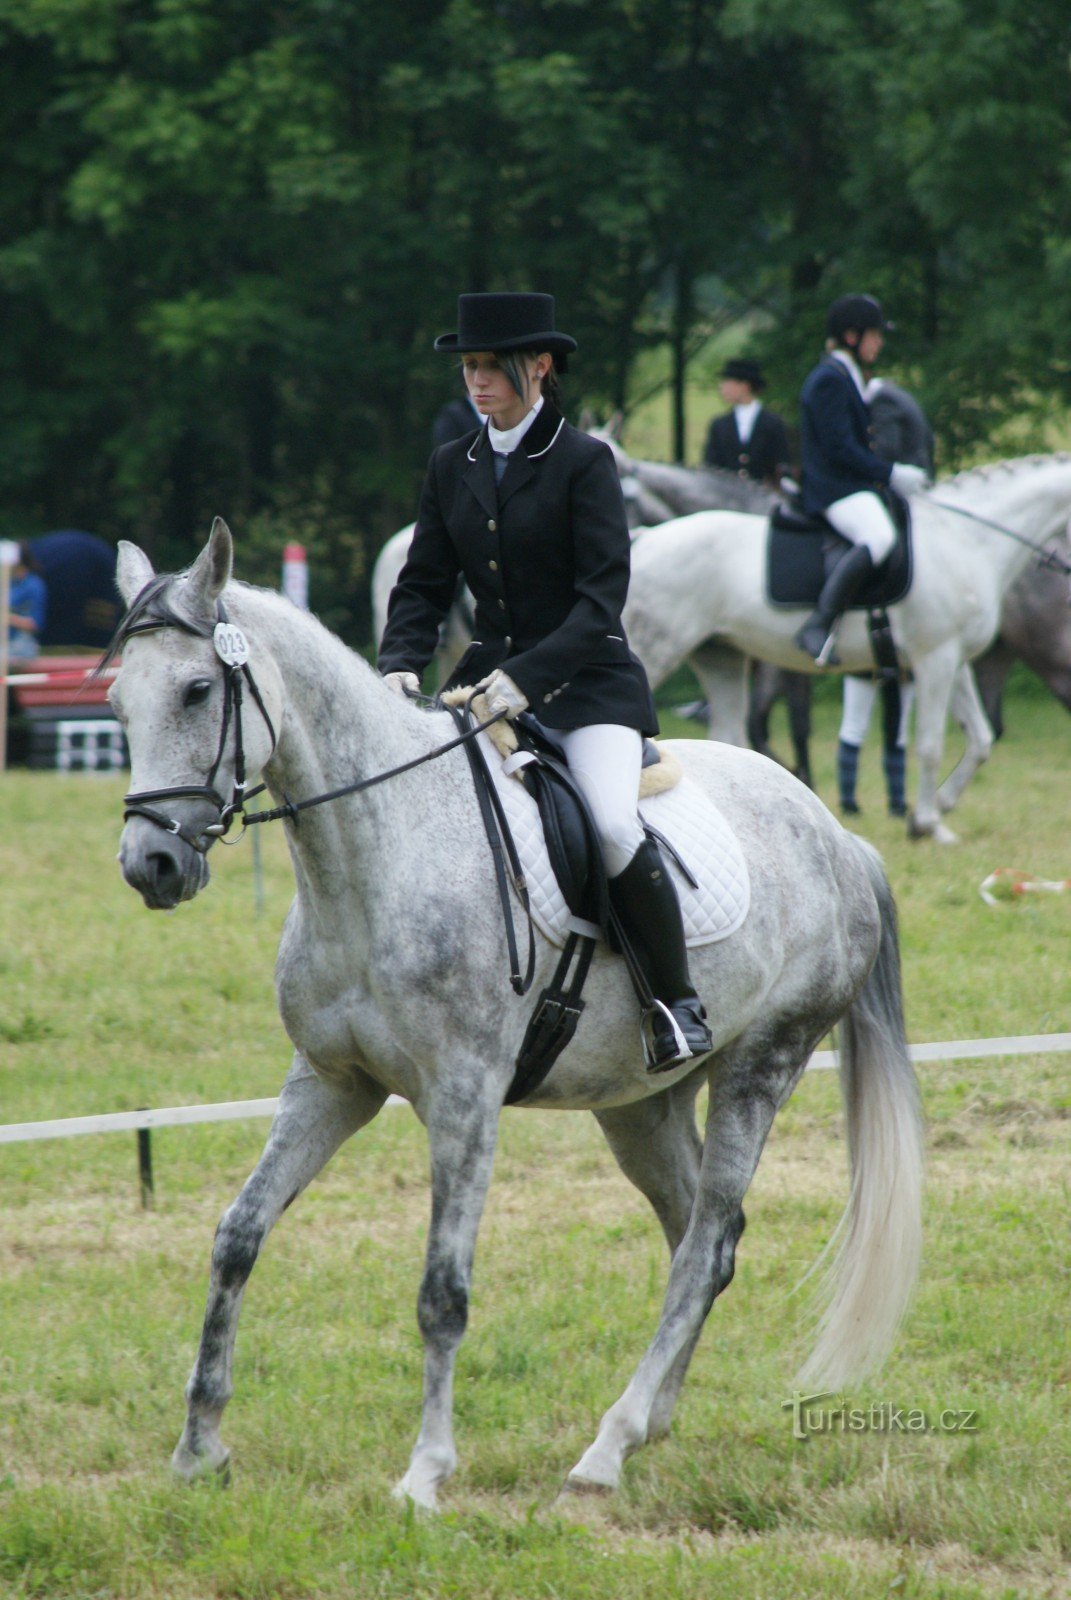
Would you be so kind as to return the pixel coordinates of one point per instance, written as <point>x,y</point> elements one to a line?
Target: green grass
<point>104,1006</point>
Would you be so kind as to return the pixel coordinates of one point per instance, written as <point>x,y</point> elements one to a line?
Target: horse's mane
<point>992,469</point>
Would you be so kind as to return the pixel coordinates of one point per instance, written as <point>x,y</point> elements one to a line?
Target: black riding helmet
<point>856,311</point>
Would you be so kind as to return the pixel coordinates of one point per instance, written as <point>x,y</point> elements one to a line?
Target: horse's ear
<point>587,420</point>
<point>615,425</point>
<point>211,572</point>
<point>133,569</point>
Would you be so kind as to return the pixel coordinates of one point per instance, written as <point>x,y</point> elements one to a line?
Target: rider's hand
<point>502,694</point>
<point>907,479</point>
<point>406,684</point>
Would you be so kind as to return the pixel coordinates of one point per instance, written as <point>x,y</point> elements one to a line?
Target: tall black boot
<point>838,592</point>
<point>847,769</point>
<point>646,902</point>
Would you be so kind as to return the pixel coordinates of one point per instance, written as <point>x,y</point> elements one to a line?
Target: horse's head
<point>200,706</point>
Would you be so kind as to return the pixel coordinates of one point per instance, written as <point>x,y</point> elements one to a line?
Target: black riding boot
<point>646,902</point>
<point>838,592</point>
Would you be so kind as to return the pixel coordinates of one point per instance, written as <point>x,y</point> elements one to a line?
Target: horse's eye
<point>197,692</point>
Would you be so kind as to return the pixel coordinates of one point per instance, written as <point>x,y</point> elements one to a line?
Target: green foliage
<point>230,231</point>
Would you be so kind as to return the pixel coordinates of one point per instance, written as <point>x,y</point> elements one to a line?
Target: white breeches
<point>862,519</point>
<point>605,760</point>
<point>859,697</point>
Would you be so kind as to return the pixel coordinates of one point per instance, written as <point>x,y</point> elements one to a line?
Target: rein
<point>1046,558</point>
<point>233,653</point>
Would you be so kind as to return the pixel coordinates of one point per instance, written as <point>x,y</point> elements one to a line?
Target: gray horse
<point>390,979</point>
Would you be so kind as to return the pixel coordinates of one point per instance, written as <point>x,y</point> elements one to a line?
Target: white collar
<point>874,386</point>
<point>746,415</point>
<point>506,440</point>
<point>856,376</point>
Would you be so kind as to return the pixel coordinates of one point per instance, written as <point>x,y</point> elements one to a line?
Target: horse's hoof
<point>417,1490</point>
<point>574,1486</point>
<point>209,1464</point>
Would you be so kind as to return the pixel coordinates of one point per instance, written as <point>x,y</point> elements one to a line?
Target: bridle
<point>233,654</point>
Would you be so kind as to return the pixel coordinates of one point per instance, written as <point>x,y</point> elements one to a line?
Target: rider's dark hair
<point>512,364</point>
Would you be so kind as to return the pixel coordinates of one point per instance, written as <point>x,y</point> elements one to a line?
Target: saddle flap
<point>797,547</point>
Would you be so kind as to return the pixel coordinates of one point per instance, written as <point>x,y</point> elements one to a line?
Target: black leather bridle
<point>235,671</point>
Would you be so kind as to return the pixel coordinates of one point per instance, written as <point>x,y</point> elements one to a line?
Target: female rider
<point>530,511</point>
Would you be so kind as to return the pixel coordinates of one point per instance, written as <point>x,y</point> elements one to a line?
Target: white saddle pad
<point>694,825</point>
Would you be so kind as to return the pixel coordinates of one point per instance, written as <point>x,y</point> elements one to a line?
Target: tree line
<point>230,230</point>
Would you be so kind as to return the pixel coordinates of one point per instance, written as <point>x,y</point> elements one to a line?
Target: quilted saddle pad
<point>692,823</point>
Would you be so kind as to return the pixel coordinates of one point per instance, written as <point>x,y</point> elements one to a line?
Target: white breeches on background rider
<point>859,697</point>
<point>605,760</point>
<point>863,519</point>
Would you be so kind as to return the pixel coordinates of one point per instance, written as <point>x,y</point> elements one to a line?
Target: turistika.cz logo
<point>810,1415</point>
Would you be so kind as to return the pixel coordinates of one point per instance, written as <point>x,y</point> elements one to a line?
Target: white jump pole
<point>9,555</point>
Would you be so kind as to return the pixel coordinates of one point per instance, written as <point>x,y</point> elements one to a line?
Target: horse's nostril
<point>163,869</point>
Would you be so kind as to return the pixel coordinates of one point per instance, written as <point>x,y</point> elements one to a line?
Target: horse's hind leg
<point>657,1146</point>
<point>312,1120</point>
<point>737,1124</point>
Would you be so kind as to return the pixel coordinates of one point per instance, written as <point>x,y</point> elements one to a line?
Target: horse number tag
<point>231,645</point>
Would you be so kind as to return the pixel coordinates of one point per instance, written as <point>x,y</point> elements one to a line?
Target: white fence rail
<point>235,1110</point>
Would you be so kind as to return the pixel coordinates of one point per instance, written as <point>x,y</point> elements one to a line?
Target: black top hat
<point>506,322</point>
<point>744,370</point>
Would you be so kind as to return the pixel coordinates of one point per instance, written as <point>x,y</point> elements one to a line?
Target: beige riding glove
<point>502,694</point>
<point>406,684</point>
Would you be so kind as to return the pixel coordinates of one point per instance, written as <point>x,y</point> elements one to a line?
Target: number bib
<point>231,645</point>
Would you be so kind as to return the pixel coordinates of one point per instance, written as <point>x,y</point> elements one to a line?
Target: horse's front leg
<point>722,675</point>
<point>934,675</point>
<point>462,1122</point>
<point>312,1120</point>
<point>969,712</point>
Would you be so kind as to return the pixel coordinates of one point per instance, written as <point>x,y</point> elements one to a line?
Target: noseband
<point>233,653</point>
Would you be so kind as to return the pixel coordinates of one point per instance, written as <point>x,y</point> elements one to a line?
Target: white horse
<point>698,592</point>
<point>391,979</point>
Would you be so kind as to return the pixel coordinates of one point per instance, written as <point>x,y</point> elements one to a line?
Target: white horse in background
<point>391,978</point>
<point>698,593</point>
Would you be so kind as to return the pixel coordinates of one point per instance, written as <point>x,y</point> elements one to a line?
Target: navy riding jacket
<point>835,449</point>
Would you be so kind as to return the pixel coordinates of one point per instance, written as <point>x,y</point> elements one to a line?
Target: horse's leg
<point>722,674</point>
<point>761,696</point>
<point>738,1121</point>
<point>969,712</point>
<point>657,1146</point>
<point>312,1120</point>
<point>797,689</point>
<point>462,1130</point>
<point>934,676</point>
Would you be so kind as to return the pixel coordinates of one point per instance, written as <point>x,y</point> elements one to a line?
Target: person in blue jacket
<point>28,607</point>
<point>842,475</point>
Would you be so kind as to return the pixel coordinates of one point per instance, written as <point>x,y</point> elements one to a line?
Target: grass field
<point>104,1006</point>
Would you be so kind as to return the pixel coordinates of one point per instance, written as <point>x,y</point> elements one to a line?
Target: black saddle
<point>802,549</point>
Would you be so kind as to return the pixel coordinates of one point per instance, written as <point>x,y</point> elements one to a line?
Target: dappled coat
<point>546,556</point>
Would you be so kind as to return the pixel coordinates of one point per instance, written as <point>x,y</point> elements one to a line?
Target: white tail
<point>878,1241</point>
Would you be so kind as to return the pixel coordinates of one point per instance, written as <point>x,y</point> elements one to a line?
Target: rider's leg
<point>863,520</point>
<point>896,707</point>
<point>855,719</point>
<point>605,760</point>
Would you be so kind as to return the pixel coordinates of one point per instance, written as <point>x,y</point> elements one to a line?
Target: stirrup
<point>682,1049</point>
<point>827,656</point>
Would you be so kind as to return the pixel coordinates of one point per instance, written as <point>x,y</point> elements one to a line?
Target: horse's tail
<point>878,1240</point>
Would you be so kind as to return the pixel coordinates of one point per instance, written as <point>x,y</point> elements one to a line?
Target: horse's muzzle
<point>163,868</point>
